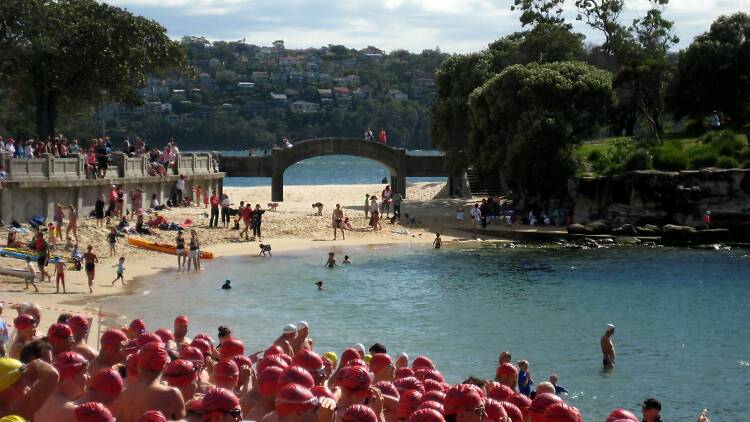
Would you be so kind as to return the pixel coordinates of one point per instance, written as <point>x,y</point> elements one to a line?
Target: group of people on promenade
<point>382,137</point>
<point>165,374</point>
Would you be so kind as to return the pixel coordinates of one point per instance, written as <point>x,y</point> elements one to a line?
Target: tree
<point>525,120</point>
<point>713,73</point>
<point>79,52</point>
<point>604,15</point>
<point>534,12</point>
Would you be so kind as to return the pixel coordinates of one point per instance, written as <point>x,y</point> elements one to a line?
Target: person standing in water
<point>438,242</point>
<point>180,251</point>
<point>331,263</point>
<point>608,347</point>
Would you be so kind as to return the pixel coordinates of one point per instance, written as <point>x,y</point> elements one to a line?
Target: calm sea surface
<point>330,170</point>
<point>681,314</point>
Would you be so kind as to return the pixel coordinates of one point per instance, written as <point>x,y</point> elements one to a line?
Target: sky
<point>456,26</point>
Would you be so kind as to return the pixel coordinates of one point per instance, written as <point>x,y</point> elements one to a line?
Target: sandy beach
<point>293,226</point>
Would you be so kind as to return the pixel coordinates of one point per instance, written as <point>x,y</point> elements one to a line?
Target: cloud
<point>415,25</point>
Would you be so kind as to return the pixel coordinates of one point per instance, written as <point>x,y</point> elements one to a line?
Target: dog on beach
<point>273,205</point>
<point>264,249</point>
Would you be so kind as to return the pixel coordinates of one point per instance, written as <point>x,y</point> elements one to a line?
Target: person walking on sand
<point>72,223</point>
<point>476,215</point>
<point>42,249</point>
<point>367,205</point>
<point>215,201</point>
<point>32,275</point>
<point>60,275</point>
<point>59,218</point>
<point>608,347</point>
<point>99,211</point>
<point>257,219</point>
<point>91,260</point>
<point>337,221</point>
<point>112,241</point>
<point>120,271</point>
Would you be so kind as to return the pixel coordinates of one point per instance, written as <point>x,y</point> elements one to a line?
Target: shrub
<point>640,160</point>
<point>727,163</point>
<point>701,158</point>
<point>670,157</point>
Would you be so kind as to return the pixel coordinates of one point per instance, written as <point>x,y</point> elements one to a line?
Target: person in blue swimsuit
<point>525,382</point>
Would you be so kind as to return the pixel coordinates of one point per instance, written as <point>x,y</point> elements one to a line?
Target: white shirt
<point>181,184</point>
<point>475,213</point>
<point>374,205</point>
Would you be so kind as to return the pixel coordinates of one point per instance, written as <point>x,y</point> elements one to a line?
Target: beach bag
<point>36,221</point>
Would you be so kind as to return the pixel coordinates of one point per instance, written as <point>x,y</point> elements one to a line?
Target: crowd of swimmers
<point>163,374</point>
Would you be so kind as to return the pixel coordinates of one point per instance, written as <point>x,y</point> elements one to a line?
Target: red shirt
<point>246,213</point>
<point>214,201</point>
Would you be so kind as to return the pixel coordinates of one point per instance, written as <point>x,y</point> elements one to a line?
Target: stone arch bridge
<point>399,163</point>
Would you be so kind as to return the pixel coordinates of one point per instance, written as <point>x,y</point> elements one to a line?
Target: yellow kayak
<point>162,247</point>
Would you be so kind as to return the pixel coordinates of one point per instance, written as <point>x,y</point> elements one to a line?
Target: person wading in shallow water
<point>608,347</point>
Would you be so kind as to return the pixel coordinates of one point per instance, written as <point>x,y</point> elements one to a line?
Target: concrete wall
<point>35,185</point>
<point>658,197</point>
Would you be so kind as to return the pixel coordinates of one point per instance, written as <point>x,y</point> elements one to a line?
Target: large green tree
<point>713,73</point>
<point>526,119</point>
<point>77,53</point>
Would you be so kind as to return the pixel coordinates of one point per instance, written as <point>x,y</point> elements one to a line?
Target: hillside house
<point>304,107</point>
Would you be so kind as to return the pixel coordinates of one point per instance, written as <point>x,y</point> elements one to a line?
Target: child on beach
<point>205,199</point>
<point>438,242</point>
<point>112,240</point>
<point>32,275</point>
<point>52,231</point>
<point>460,215</point>
<point>60,275</point>
<point>120,271</point>
<point>331,263</point>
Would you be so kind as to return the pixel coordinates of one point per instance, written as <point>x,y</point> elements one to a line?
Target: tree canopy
<point>79,51</point>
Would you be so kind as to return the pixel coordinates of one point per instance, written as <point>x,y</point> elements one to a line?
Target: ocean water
<point>681,314</point>
<point>331,170</point>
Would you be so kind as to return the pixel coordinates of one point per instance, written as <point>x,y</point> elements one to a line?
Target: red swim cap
<point>404,372</point>
<point>321,391</point>
<point>356,362</point>
<point>24,321</point>
<point>165,335</point>
<point>78,324</point>
<point>131,366</point>
<point>560,412</point>
<point>523,402</point>
<point>432,385</point>
<point>408,383</point>
<point>153,416</point>
<point>273,360</point>
<point>242,360</point>
<point>432,374</point>
<point>622,414</point>
<point>93,412</point>
<point>429,404</point>
<point>514,413</point>
<point>356,380</point>
<point>226,371</point>
<point>204,336</point>
<point>426,415</point>
<point>295,375</point>
<point>408,403</point>
<point>379,361</point>
<point>202,345</point>
<point>387,388</point>
<point>268,380</point>
<point>107,381</point>
<point>70,364</point>
<point>309,360</point>
<point>219,400</point>
<point>231,347</point>
<point>192,354</point>
<point>542,401</point>
<point>112,339</point>
<point>436,396</point>
<point>421,362</point>
<point>462,398</point>
<point>59,334</point>
<point>147,338</point>
<point>182,319</point>
<point>152,357</point>
<point>499,392</point>
<point>273,350</point>
<point>138,327</point>
<point>294,398</point>
<point>359,413</point>
<point>348,355</point>
<point>180,373</point>
<point>495,411</point>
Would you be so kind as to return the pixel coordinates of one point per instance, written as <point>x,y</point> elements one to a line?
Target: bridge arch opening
<point>336,170</point>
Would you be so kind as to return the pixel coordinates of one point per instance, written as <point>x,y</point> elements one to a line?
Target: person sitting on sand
<point>157,220</point>
<point>331,262</point>
<point>319,206</point>
<point>140,226</point>
<point>348,223</point>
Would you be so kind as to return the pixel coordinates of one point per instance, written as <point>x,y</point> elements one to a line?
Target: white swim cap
<point>301,325</point>
<point>610,327</point>
<point>289,328</point>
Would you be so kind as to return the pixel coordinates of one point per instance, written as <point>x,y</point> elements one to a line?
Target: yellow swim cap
<point>11,371</point>
<point>12,418</point>
<point>332,357</point>
<point>367,358</point>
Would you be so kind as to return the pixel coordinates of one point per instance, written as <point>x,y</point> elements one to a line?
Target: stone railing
<point>120,166</point>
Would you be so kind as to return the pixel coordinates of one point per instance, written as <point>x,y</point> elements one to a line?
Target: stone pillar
<point>277,186</point>
<point>118,159</point>
<point>398,183</point>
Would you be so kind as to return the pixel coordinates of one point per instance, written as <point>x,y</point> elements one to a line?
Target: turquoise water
<point>681,314</point>
<point>329,170</point>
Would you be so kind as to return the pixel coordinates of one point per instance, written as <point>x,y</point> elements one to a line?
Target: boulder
<point>598,227</point>
<point>577,229</point>
<point>648,230</point>
<point>678,233</point>
<point>625,230</point>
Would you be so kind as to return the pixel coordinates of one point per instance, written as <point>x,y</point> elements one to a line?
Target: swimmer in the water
<point>347,260</point>
<point>227,285</point>
<point>320,285</point>
<point>331,260</point>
